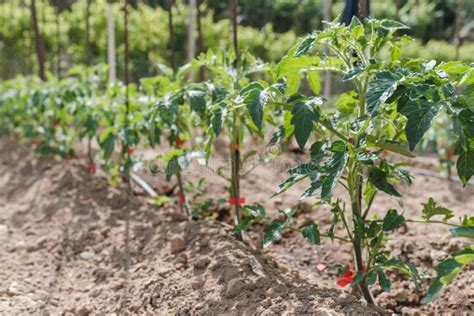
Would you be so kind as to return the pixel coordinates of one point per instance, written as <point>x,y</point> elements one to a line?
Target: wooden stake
<point>39,41</point>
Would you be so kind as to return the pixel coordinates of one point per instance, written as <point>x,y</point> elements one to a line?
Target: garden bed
<point>72,243</point>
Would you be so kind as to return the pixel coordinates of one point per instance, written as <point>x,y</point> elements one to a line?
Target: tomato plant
<point>394,102</point>
<point>238,107</point>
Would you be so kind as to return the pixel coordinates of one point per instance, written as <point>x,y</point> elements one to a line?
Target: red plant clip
<point>347,277</point>
<point>180,142</point>
<point>449,154</point>
<point>236,202</point>
<point>34,143</point>
<point>92,168</point>
<point>130,150</point>
<point>181,198</point>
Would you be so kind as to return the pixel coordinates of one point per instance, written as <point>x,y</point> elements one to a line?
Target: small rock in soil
<point>83,311</point>
<point>438,254</point>
<point>234,287</point>
<point>201,262</point>
<point>177,245</point>
<point>87,255</point>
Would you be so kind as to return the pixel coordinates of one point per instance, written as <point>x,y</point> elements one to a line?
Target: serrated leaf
<point>256,210</point>
<point>197,100</point>
<point>420,114</point>
<point>218,118</point>
<point>352,73</point>
<point>272,232</point>
<point>392,220</point>
<point>305,45</point>
<point>380,89</point>
<point>244,223</point>
<point>431,208</point>
<point>255,99</point>
<point>317,151</point>
<point>334,166</point>
<point>465,165</point>
<point>384,282</point>
<point>379,179</point>
<point>288,183</point>
<point>304,117</point>
<point>311,233</point>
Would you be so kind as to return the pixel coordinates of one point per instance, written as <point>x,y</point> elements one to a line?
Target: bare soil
<point>72,244</point>
<point>420,244</point>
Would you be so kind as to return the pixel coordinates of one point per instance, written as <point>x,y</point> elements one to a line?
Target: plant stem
<point>182,200</point>
<point>355,181</point>
<point>235,177</point>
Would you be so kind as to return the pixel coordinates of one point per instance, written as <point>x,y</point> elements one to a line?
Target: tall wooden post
<point>88,27</point>
<point>111,43</point>
<point>171,34</point>
<point>38,41</point>
<point>327,75</point>
<point>457,33</point>
<point>200,38</point>
<point>125,55</point>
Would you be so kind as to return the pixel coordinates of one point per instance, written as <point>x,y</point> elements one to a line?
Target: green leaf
<point>197,100</point>
<point>305,45</point>
<point>433,291</point>
<point>218,118</point>
<point>352,73</point>
<point>256,210</point>
<point>317,151</point>
<point>379,179</point>
<point>304,116</point>
<point>334,167</point>
<point>389,145</point>
<point>314,189</point>
<point>244,223</point>
<point>277,136</point>
<point>108,145</point>
<point>272,232</point>
<point>392,220</point>
<point>463,231</point>
<point>391,25</point>
<point>288,183</point>
<point>465,166</point>
<point>311,233</point>
<point>384,282</point>
<point>358,278</point>
<point>172,167</point>
<point>431,209</point>
<point>420,114</point>
<point>314,81</point>
<point>371,277</point>
<point>380,89</point>
<point>255,99</point>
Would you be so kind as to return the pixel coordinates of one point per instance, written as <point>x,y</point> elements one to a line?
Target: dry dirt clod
<point>234,287</point>
<point>177,245</point>
<point>201,262</point>
<point>83,311</point>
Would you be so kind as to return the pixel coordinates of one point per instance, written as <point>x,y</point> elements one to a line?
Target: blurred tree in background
<point>267,29</point>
